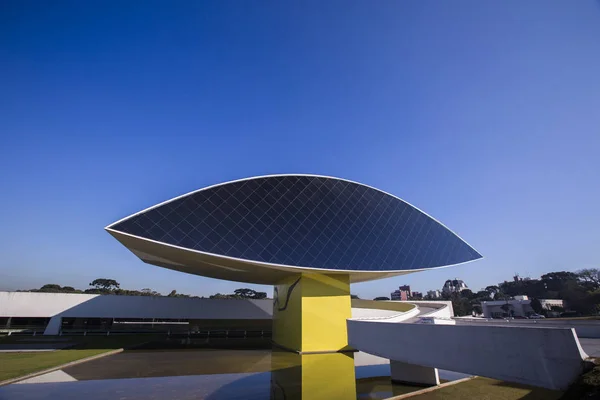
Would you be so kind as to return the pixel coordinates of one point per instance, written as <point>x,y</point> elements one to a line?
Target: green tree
<point>536,306</point>
<point>501,296</point>
<point>221,296</point>
<point>50,288</point>
<point>590,278</point>
<point>246,293</point>
<point>492,290</point>
<point>174,293</point>
<point>354,296</point>
<point>462,306</point>
<point>557,281</point>
<point>106,285</point>
<point>580,300</point>
<point>381,298</point>
<point>150,292</point>
<point>483,295</point>
<point>529,287</point>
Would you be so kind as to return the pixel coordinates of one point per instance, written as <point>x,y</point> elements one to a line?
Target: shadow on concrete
<point>172,308</point>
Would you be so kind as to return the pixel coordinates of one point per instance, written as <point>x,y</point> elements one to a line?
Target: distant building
<point>399,295</point>
<point>453,286</point>
<point>407,289</point>
<point>417,295</point>
<point>520,306</point>
<point>549,303</point>
<point>434,294</point>
<point>403,293</point>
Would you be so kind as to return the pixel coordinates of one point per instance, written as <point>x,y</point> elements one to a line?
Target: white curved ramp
<point>545,357</point>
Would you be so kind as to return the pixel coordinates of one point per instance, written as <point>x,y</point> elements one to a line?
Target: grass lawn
<point>489,389</point>
<point>588,384</point>
<point>13,365</point>
<point>83,342</point>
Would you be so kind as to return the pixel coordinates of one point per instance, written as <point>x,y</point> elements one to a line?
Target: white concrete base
<point>414,374</point>
<point>547,357</point>
<point>362,358</point>
<point>50,377</point>
<point>436,321</point>
<point>53,327</point>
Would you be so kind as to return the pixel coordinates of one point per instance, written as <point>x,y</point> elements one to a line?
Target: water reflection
<point>212,374</point>
<point>315,376</point>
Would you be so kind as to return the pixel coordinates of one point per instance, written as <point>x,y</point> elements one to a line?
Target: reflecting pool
<point>215,374</point>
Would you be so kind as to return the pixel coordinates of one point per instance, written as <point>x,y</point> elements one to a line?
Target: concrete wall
<point>583,328</point>
<point>59,305</point>
<point>372,313</point>
<point>24,304</point>
<point>439,309</point>
<point>399,306</point>
<point>545,357</point>
<point>413,374</point>
<point>412,310</point>
<point>371,309</point>
<point>386,316</point>
<point>436,321</point>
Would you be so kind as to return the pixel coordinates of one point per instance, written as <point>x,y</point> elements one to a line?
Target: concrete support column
<point>310,313</point>
<point>414,374</point>
<point>53,327</point>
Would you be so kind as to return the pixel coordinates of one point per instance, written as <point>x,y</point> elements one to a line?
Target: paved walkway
<point>591,346</point>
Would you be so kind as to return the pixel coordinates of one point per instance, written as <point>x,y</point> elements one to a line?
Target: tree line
<point>580,292</point>
<point>105,286</point>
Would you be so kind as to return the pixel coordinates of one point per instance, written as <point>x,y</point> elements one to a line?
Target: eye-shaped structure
<point>262,229</point>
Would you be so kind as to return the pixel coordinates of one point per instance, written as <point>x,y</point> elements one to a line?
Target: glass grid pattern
<point>303,221</point>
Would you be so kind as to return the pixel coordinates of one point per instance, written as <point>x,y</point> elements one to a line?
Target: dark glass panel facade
<point>304,221</point>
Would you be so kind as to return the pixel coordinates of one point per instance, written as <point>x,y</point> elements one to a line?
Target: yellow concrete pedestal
<point>310,312</point>
<point>313,376</point>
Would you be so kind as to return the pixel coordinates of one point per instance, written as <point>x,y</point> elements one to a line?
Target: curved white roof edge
<point>284,266</point>
<point>276,175</point>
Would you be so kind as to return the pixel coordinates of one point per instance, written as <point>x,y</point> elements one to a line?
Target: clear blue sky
<point>486,115</point>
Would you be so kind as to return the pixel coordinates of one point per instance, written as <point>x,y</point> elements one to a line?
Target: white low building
<point>549,303</point>
<point>454,286</point>
<point>434,294</point>
<point>56,313</point>
<point>519,306</point>
<point>52,313</point>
